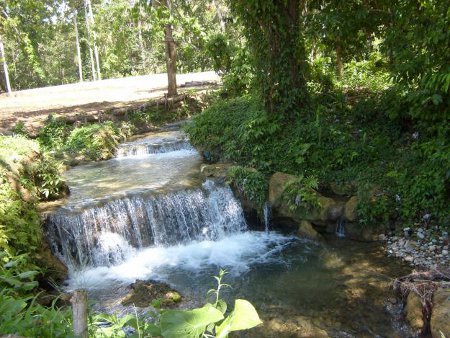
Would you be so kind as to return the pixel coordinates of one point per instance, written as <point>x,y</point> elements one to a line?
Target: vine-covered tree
<point>275,35</point>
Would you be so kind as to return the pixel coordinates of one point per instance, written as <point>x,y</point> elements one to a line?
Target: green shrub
<point>366,142</point>
<point>301,194</point>
<point>95,141</point>
<point>252,184</point>
<point>53,135</point>
<point>20,229</point>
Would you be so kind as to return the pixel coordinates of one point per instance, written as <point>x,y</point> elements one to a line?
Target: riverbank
<point>421,248</point>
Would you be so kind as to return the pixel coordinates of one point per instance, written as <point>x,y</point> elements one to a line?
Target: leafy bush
<point>53,135</point>
<point>95,141</point>
<point>20,229</point>
<point>207,321</point>
<point>301,193</point>
<point>252,184</point>
<point>364,141</point>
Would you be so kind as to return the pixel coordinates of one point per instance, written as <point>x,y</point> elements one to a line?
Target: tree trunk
<point>97,60</point>
<point>140,38</point>
<point>219,15</point>
<point>5,66</point>
<point>171,60</point>
<point>91,54</point>
<point>80,313</point>
<point>339,63</point>
<point>80,66</point>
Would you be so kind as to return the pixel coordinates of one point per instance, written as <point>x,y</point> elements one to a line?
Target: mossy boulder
<point>440,316</point>
<point>277,185</point>
<point>217,170</point>
<point>413,312</point>
<point>55,270</point>
<point>351,209</point>
<point>327,209</point>
<point>306,230</point>
<point>145,293</point>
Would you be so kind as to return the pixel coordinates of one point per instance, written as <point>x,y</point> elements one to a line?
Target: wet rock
<point>343,188</point>
<point>350,209</point>
<point>54,269</point>
<point>305,229</point>
<point>277,185</point>
<point>413,311</point>
<point>217,170</point>
<point>328,209</point>
<point>144,293</point>
<point>440,316</point>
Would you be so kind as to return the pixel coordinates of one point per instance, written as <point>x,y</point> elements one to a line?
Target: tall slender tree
<point>80,65</point>
<point>5,66</point>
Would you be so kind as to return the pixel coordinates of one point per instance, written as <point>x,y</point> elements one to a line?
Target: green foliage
<point>209,320</point>
<point>45,176</point>
<point>301,194</point>
<point>251,183</point>
<point>53,135</point>
<point>20,314</point>
<point>17,274</point>
<point>95,141</point>
<point>19,221</point>
<point>354,137</point>
<point>275,36</point>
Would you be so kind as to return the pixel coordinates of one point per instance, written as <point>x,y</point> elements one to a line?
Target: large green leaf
<point>243,317</point>
<point>188,324</point>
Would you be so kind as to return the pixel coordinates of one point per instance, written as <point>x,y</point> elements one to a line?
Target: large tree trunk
<point>80,66</point>
<point>5,66</point>
<point>171,59</point>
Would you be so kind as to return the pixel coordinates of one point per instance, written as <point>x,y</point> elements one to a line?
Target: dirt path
<point>34,105</point>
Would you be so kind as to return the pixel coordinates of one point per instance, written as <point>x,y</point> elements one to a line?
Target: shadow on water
<point>342,289</point>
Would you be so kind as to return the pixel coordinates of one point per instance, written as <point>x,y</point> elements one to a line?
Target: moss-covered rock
<point>146,293</point>
<point>217,170</point>
<point>440,316</point>
<point>305,229</point>
<point>327,209</point>
<point>413,312</point>
<point>351,209</point>
<point>277,185</point>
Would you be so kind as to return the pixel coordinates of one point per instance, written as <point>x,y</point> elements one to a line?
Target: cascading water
<point>340,228</point>
<point>267,214</point>
<point>108,233</point>
<point>156,145</point>
<point>150,199</point>
<point>147,215</point>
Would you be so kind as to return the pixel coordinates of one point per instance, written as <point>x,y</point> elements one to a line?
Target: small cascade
<point>167,142</point>
<point>108,233</point>
<point>340,228</point>
<point>267,213</point>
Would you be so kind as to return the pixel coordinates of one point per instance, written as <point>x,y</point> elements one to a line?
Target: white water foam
<point>236,253</point>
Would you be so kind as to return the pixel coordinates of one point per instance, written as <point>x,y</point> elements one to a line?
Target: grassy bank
<point>351,139</point>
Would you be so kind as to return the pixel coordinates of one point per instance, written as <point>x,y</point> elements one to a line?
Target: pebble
<point>416,252</point>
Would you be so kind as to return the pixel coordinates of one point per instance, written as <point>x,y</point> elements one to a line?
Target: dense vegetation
<point>373,115</point>
<point>350,93</point>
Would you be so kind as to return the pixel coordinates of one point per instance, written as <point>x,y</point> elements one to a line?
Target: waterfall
<point>267,213</point>
<point>340,228</point>
<point>156,145</point>
<point>107,233</point>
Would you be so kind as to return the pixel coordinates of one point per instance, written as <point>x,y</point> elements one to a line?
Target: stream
<point>147,214</point>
